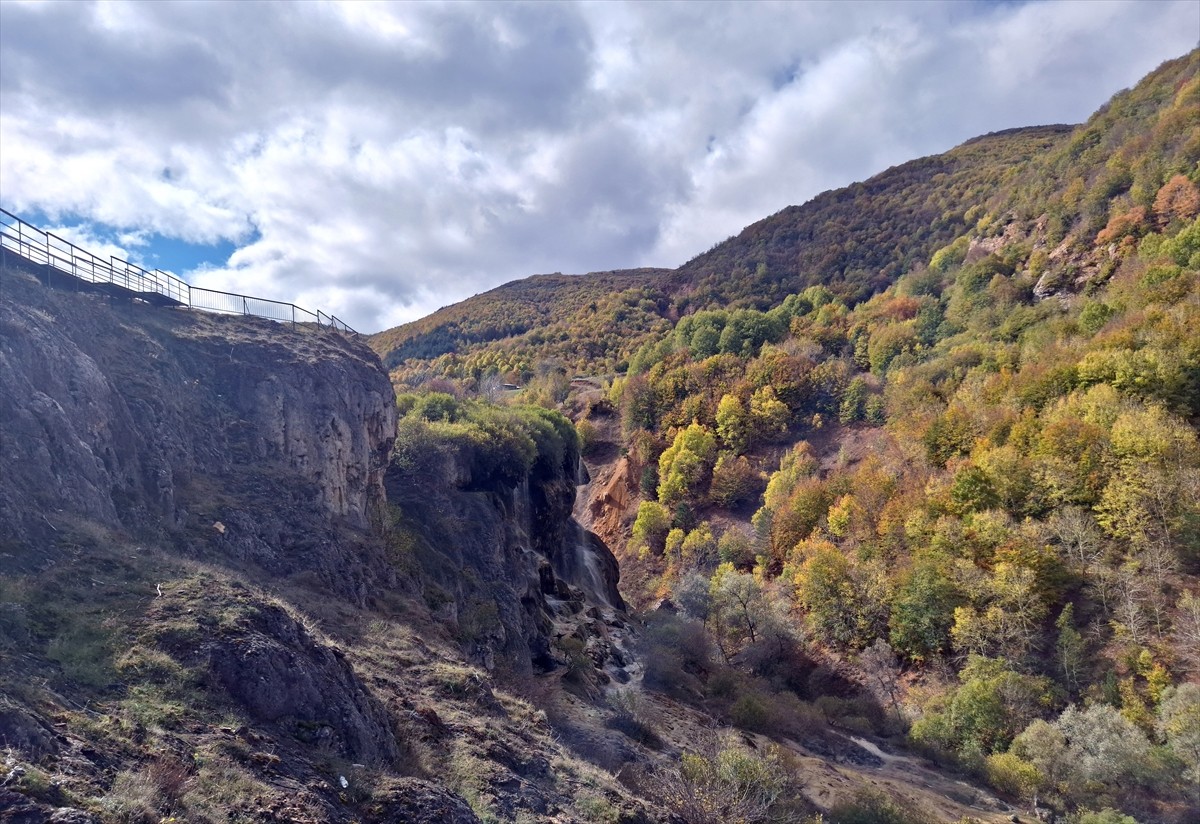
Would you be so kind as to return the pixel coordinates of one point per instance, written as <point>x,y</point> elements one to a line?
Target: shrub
<point>1094,315</point>
<point>1106,816</point>
<point>629,716</point>
<point>732,785</point>
<point>736,546</point>
<point>873,807</point>
<point>588,436</point>
<point>734,482</point>
<point>1011,775</point>
<point>750,712</point>
<point>437,406</point>
<point>596,808</point>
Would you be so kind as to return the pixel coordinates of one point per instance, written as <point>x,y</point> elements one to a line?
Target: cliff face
<point>507,569</point>
<point>238,439</point>
<point>196,540</point>
<point>229,436</point>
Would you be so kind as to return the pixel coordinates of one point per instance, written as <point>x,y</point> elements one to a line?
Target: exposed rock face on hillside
<point>179,424</point>
<point>280,674</point>
<point>509,567</point>
<point>181,494</point>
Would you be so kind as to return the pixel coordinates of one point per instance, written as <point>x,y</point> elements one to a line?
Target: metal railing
<point>121,277</point>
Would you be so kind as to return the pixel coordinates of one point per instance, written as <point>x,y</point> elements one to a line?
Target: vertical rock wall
<point>167,421</point>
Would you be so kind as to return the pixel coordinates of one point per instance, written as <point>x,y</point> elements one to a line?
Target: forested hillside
<point>853,241</point>
<point>936,430</point>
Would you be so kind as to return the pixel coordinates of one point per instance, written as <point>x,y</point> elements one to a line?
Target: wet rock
<point>511,559</point>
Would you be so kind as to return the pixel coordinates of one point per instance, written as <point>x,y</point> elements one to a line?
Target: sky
<point>381,160</point>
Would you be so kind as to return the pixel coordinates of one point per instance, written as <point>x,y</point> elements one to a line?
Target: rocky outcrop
<point>141,439</point>
<point>272,667</point>
<point>507,568</point>
<point>20,809</point>
<point>232,437</point>
<point>414,801</point>
<point>28,734</point>
<point>612,501</point>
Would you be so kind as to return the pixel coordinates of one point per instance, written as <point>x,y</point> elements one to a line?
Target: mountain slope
<point>1054,181</point>
<point>854,240</point>
<point>957,464</point>
<point>857,240</point>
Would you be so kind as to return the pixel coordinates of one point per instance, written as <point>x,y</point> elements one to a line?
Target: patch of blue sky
<point>150,250</point>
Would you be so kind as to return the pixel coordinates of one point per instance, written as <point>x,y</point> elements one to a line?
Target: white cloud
<point>380,160</point>
<point>100,247</point>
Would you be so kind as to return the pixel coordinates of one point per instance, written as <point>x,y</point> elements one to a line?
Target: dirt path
<point>904,778</point>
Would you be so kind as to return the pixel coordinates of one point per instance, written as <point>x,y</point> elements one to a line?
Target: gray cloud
<point>381,160</point>
<point>80,58</point>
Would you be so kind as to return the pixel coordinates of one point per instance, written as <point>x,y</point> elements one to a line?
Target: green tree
<point>950,256</point>
<point>651,525</point>
<point>888,343</point>
<point>952,433</point>
<point>734,426</point>
<point>799,515</point>
<point>1179,725</point>
<point>1069,648</point>
<point>769,414</point>
<point>923,610</point>
<point>736,546</point>
<point>684,467</point>
<point>699,547</point>
<point>992,704</point>
<point>1043,745</point>
<point>825,588</point>
<point>972,490</point>
<point>853,402</point>
<point>1105,749</point>
<point>437,406</point>
<point>1009,620</point>
<point>738,608</point>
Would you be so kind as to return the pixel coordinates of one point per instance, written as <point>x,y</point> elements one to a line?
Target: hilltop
<point>854,241</point>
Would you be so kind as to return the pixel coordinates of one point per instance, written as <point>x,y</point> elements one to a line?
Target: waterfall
<point>588,574</point>
<point>522,514</point>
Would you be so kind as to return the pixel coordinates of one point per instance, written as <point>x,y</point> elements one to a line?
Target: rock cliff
<point>198,548</point>
<point>506,567</point>
<point>231,437</point>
